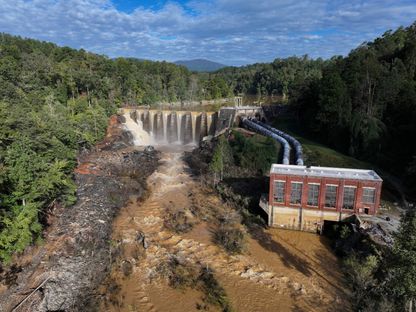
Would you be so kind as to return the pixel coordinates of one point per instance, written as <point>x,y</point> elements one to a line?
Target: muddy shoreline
<point>277,270</point>
<point>111,251</point>
<point>73,260</point>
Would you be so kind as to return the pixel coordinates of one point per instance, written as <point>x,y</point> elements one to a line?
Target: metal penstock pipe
<point>262,130</point>
<point>295,143</point>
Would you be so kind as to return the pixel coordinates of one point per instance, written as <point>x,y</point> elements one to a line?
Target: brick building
<point>304,197</point>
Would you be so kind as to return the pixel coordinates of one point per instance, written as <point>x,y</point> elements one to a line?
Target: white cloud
<point>229,31</point>
<point>312,37</point>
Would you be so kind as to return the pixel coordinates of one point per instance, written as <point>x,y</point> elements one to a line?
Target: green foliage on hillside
<point>401,281</point>
<point>239,154</point>
<point>382,279</point>
<point>222,158</point>
<point>55,101</point>
<point>255,153</point>
<point>279,78</point>
<point>365,103</point>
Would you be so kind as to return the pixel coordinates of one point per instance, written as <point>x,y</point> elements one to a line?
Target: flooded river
<point>279,270</point>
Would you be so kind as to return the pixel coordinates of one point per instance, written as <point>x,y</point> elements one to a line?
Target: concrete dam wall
<point>168,126</point>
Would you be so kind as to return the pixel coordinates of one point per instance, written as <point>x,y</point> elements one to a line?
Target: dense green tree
<point>253,154</point>
<point>402,264</point>
<point>222,158</point>
<point>271,79</point>
<point>366,102</point>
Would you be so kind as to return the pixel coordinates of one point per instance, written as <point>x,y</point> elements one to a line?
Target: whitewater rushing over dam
<point>158,127</point>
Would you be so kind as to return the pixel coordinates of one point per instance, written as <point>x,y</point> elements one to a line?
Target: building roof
<point>329,172</point>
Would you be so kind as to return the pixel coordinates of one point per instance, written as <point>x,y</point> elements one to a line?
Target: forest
<point>363,105</point>
<point>55,101</point>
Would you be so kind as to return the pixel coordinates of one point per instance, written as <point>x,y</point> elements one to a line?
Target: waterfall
<point>152,121</point>
<point>179,124</point>
<point>203,126</point>
<point>209,122</point>
<point>140,136</point>
<point>167,127</point>
<point>187,133</point>
<point>173,128</point>
<point>193,127</point>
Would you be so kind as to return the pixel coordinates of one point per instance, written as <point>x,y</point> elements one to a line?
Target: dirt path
<point>279,271</point>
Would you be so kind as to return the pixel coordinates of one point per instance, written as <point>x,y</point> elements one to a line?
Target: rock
<point>145,243</point>
<point>127,268</point>
<point>149,149</point>
<point>140,237</point>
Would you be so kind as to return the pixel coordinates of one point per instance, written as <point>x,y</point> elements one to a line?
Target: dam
<point>158,127</point>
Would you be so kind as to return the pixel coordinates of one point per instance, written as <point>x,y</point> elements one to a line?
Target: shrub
<point>184,274</point>
<point>214,292</point>
<point>178,222</point>
<point>230,238</point>
<point>180,273</point>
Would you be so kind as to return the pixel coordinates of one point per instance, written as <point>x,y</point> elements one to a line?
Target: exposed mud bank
<point>277,270</point>
<point>74,258</point>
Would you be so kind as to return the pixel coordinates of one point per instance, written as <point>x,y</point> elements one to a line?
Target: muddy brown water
<point>280,270</point>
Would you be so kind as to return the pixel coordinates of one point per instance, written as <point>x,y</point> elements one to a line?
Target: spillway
<point>160,127</point>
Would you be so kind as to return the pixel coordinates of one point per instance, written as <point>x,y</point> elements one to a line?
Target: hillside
<point>362,104</point>
<point>54,102</point>
<point>200,65</point>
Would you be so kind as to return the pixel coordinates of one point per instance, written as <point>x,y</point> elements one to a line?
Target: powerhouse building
<point>303,197</point>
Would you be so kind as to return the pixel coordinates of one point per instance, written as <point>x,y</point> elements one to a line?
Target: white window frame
<point>300,193</point>
<point>274,191</point>
<point>374,195</point>
<point>354,199</point>
<point>317,195</point>
<point>336,195</point>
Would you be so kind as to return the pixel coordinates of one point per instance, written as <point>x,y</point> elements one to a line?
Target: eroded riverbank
<point>278,270</point>
<point>64,272</point>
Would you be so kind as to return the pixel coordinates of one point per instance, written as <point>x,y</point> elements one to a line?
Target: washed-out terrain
<point>64,271</point>
<point>96,256</point>
<point>278,270</point>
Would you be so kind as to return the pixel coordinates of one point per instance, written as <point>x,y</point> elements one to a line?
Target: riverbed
<point>279,270</point>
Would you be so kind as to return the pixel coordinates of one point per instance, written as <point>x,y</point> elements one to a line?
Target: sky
<point>232,32</point>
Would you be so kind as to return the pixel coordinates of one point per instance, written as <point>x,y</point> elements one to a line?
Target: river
<point>280,270</point>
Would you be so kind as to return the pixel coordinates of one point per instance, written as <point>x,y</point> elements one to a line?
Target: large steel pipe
<point>295,143</point>
<point>262,130</point>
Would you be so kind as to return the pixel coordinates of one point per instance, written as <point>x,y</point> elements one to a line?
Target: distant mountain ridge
<point>200,65</point>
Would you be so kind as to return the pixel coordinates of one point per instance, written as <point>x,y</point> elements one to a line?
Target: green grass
<point>320,155</point>
<point>317,154</point>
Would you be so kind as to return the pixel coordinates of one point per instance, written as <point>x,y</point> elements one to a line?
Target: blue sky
<point>233,32</point>
<point>129,6</point>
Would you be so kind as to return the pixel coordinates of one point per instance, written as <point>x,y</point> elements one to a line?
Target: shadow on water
<point>299,260</point>
<point>288,258</point>
<point>252,188</point>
